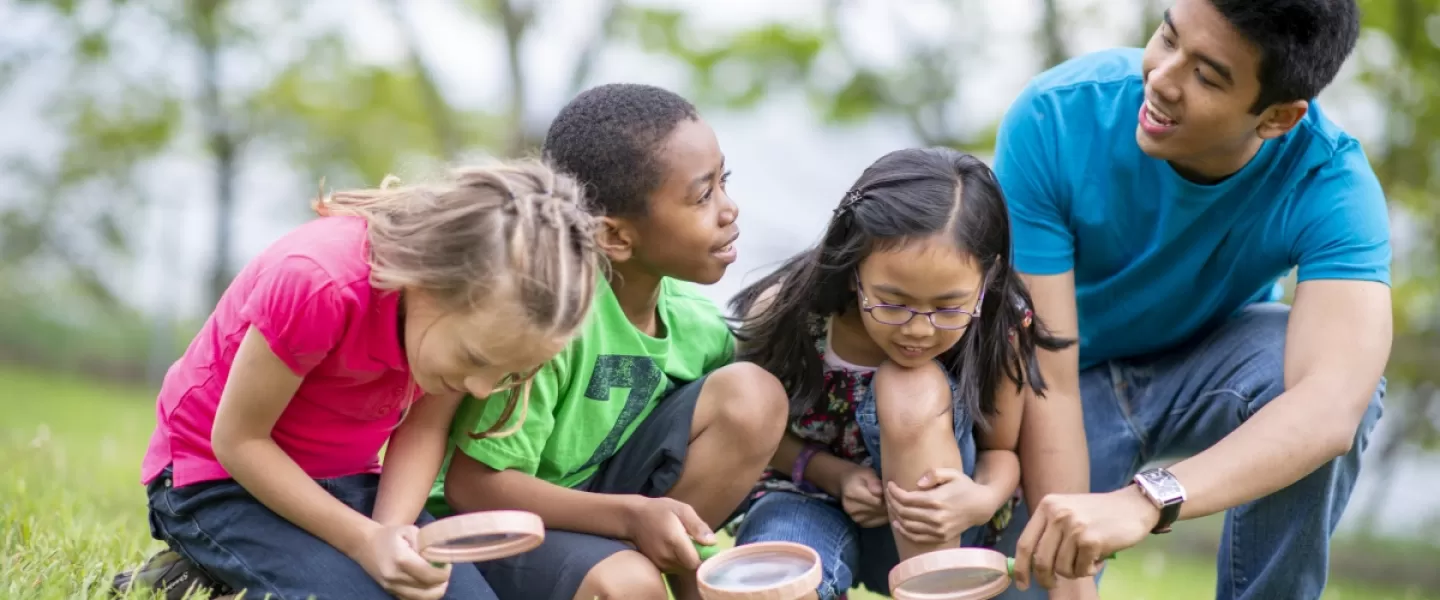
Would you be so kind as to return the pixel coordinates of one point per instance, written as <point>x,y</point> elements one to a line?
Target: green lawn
<point>72,511</point>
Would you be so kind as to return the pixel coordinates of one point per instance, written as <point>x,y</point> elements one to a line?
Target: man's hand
<point>862,496</point>
<point>1070,535</point>
<point>1075,589</point>
<point>946,504</point>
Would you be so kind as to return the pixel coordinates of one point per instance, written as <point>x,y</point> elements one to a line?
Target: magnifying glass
<point>953,574</point>
<point>481,536</point>
<point>761,571</point>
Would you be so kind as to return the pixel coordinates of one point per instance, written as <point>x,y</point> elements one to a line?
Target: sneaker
<point>172,574</point>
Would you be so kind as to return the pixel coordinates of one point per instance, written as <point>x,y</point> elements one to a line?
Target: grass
<point>72,511</point>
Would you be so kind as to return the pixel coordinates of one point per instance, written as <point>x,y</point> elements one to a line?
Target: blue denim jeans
<point>224,530</point>
<point>850,555</point>
<point>1181,402</point>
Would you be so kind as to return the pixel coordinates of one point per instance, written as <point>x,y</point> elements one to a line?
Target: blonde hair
<point>510,230</point>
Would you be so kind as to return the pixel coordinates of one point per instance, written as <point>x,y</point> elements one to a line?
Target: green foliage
<point>738,69</point>
<point>343,120</point>
<point>735,70</point>
<point>1405,79</point>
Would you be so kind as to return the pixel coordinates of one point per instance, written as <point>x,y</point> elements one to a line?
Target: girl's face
<point>919,277</point>
<point>478,352</point>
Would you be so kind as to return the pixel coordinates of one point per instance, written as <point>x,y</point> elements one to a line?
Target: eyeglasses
<point>895,314</point>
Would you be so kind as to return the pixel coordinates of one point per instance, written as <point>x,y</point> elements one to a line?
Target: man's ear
<point>1279,119</point>
<point>616,237</point>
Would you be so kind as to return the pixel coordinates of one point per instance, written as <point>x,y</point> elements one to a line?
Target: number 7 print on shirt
<point>641,376</point>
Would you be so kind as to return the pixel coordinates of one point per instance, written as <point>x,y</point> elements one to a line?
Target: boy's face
<point>689,231</point>
<point>1201,80</point>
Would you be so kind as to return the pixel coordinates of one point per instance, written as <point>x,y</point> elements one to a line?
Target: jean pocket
<point>183,502</point>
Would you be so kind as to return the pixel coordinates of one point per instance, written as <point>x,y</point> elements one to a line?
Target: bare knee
<point>626,574</point>
<point>750,404</point>
<point>910,400</point>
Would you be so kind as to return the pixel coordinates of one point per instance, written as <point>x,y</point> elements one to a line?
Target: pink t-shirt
<point>310,295</point>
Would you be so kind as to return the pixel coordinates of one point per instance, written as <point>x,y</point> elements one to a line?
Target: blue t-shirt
<point>1158,258</point>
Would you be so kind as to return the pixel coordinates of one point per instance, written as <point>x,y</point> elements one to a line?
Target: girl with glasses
<point>907,314</point>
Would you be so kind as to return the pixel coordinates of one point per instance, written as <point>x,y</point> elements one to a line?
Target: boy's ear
<point>616,237</point>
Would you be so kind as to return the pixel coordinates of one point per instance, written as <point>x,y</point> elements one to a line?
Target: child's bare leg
<point>738,422</point>
<point>916,433</point>
<point>624,575</point>
<point>739,419</point>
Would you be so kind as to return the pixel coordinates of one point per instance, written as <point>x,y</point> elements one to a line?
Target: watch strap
<point>1168,514</point>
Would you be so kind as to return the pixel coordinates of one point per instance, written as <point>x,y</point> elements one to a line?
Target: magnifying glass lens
<point>952,580</point>
<point>470,541</point>
<point>756,571</point>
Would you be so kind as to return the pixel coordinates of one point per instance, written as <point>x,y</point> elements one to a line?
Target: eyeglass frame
<point>929,315</point>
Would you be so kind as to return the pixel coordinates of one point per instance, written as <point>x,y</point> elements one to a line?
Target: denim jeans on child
<point>1184,401</point>
<point>849,554</point>
<point>221,528</point>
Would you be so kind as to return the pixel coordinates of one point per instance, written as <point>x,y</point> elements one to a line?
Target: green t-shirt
<point>586,402</point>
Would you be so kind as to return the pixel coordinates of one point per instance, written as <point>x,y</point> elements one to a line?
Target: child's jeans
<point>849,554</point>
<point>224,530</point>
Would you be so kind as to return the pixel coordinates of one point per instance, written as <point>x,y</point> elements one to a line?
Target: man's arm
<point>1336,347</point>
<point>1337,344</point>
<point>1054,457</point>
<point>1053,453</point>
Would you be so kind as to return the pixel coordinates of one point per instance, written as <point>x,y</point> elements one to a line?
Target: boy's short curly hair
<point>609,137</point>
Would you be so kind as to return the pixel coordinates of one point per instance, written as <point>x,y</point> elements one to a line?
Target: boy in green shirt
<point>641,436</point>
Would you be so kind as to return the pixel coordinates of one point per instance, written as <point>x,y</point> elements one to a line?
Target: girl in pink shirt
<point>362,327</point>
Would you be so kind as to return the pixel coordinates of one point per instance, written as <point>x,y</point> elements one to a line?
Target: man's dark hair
<point>1303,43</point>
<point>609,137</point>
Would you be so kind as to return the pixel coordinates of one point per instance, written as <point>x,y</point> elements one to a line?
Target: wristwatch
<point>1165,491</point>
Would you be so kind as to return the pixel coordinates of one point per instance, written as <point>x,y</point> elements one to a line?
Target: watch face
<point>1163,486</point>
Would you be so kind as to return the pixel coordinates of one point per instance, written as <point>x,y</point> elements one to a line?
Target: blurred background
<point>148,149</point>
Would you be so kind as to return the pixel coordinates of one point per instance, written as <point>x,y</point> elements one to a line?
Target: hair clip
<point>852,197</point>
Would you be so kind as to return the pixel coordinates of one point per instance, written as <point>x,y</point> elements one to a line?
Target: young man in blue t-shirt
<point>1158,197</point>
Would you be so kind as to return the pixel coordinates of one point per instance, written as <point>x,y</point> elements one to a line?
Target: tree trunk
<point>514,21</point>
<point>1050,39</point>
<point>220,138</point>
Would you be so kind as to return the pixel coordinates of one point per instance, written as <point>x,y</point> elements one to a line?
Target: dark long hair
<point>905,196</point>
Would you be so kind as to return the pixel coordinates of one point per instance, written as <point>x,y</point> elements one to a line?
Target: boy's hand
<point>663,529</point>
<point>861,494</point>
<point>946,504</point>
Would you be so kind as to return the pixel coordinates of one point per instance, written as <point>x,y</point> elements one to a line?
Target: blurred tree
<point>1400,62</point>
<point>921,86</point>
<point>333,115</point>
<point>136,92</point>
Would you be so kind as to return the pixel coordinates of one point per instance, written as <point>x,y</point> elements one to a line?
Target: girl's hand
<point>946,504</point>
<point>862,496</point>
<point>389,556</point>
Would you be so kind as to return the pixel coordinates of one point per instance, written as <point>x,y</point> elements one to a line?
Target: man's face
<point>1201,80</point>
